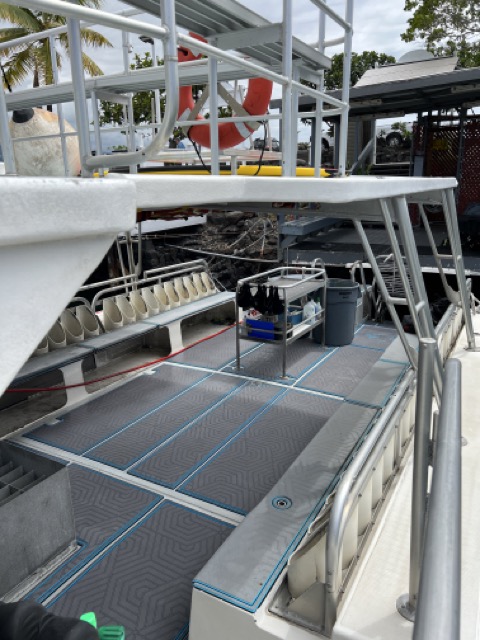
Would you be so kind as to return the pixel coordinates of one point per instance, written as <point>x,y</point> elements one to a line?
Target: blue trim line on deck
<point>174,434</point>
<point>211,454</point>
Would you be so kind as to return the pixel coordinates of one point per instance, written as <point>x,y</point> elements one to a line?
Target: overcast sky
<point>377,26</point>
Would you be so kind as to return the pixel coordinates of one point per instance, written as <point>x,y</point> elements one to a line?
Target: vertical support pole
<point>318,120</point>
<point>373,138</point>
<point>156,93</point>
<point>5,138</point>
<point>294,123</point>
<point>237,327</point>
<point>61,121</point>
<point>96,123</point>
<point>132,143</point>
<point>213,79</point>
<point>284,332</point>
<point>407,604</point>
<point>450,211</point>
<point>81,112</point>
<point>347,53</point>
<point>287,66</point>
<point>461,142</point>
<point>423,418</point>
<point>126,51</point>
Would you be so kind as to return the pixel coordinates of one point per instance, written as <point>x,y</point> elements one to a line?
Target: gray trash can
<point>341,307</point>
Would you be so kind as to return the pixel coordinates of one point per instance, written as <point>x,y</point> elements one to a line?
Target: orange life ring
<point>229,133</point>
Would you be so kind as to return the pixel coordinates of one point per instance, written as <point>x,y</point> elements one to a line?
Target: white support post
<point>5,138</point>
<point>81,112</point>
<point>347,53</point>
<point>287,66</point>
<point>319,102</point>
<point>213,79</point>
<point>61,120</point>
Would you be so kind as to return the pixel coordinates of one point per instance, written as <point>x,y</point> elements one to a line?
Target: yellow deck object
<point>267,171</point>
<point>275,171</point>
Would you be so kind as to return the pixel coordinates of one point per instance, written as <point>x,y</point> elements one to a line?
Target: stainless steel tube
<point>439,598</point>
<point>423,418</point>
<point>93,16</point>
<point>454,235</point>
<point>288,167</point>
<point>214,139</point>
<point>346,497</point>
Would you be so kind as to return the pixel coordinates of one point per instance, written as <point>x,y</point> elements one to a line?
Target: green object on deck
<point>89,617</point>
<point>111,633</point>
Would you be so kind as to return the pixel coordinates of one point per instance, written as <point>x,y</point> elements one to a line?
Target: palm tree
<point>35,57</point>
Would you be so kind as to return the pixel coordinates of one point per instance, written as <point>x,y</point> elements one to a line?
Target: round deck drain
<point>282,502</point>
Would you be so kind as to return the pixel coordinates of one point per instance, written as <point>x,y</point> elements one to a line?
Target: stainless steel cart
<point>293,284</point>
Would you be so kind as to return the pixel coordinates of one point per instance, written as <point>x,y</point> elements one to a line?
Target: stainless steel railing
<point>350,489</point>
<point>438,609</point>
<point>288,79</point>
<point>362,468</point>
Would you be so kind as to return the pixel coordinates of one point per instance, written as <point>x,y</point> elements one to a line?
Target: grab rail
<point>438,609</point>
<point>347,494</point>
<point>167,33</point>
<point>289,79</point>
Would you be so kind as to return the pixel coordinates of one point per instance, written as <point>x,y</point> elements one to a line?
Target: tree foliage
<point>361,62</point>
<point>446,27</point>
<point>112,113</point>
<point>35,57</point>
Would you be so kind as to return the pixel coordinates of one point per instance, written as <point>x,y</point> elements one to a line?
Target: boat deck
<point>164,466</point>
<point>371,612</point>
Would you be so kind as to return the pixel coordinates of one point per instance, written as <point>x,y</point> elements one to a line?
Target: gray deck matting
<point>248,467</point>
<point>103,508</point>
<point>245,567</point>
<point>214,353</point>
<point>145,582</point>
<point>136,441</point>
<point>180,457</point>
<point>396,352</point>
<point>342,371</point>
<point>374,337</point>
<point>102,416</point>
<point>266,362</point>
<point>375,389</point>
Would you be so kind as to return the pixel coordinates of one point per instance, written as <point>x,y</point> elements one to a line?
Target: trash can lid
<point>339,283</point>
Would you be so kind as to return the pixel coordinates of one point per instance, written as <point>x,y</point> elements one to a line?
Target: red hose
<point>119,373</point>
